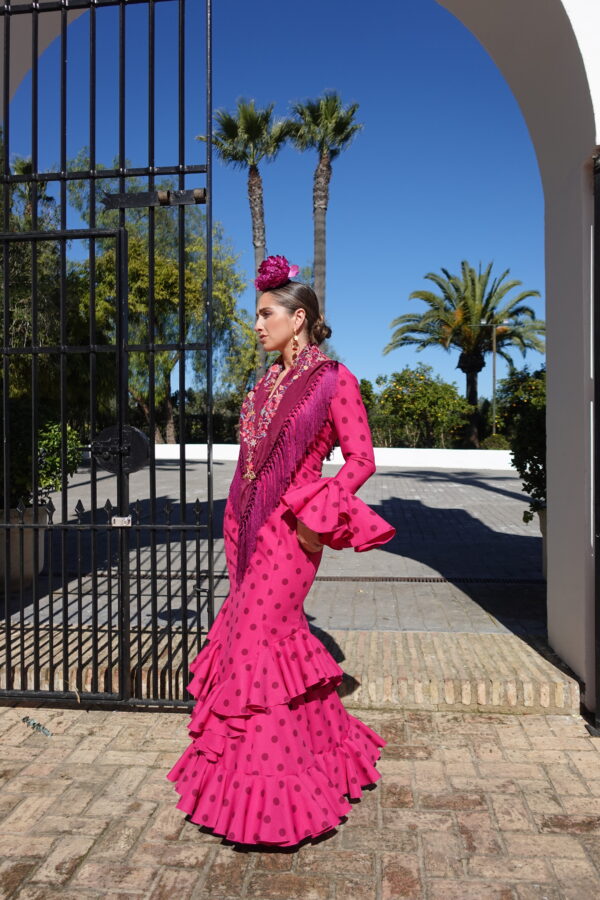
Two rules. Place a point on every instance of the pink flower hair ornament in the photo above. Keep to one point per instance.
(273, 272)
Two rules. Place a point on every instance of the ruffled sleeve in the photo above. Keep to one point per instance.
(328, 506)
(341, 519)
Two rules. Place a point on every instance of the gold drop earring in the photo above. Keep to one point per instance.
(295, 346)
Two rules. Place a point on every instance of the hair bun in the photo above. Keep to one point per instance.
(320, 330)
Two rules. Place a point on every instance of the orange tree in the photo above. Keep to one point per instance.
(415, 409)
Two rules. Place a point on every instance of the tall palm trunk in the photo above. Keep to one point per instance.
(257, 212)
(143, 405)
(170, 432)
(320, 203)
(472, 388)
(471, 363)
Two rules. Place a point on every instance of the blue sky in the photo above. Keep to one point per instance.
(443, 169)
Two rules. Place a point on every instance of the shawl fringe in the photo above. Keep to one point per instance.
(299, 430)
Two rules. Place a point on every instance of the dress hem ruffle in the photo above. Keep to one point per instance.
(230, 801)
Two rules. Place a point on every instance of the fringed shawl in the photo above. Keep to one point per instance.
(301, 414)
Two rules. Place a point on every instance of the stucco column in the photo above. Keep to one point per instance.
(552, 69)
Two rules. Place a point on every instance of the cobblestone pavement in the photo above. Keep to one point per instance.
(469, 806)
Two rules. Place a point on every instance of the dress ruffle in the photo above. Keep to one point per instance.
(342, 519)
(229, 796)
(282, 670)
(231, 802)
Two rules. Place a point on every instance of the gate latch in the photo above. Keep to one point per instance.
(121, 521)
(127, 457)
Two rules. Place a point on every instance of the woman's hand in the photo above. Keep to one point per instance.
(308, 539)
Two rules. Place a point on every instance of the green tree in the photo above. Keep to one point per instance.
(455, 317)
(523, 411)
(163, 326)
(416, 409)
(27, 193)
(32, 318)
(240, 358)
(520, 388)
(22, 257)
(369, 396)
(34, 302)
(244, 139)
(328, 127)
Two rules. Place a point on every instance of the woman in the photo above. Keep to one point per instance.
(273, 750)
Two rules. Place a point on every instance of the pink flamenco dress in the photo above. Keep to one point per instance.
(274, 754)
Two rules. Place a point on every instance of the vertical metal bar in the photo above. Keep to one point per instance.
(122, 476)
(21, 532)
(123, 384)
(109, 601)
(138, 598)
(79, 510)
(183, 325)
(151, 353)
(596, 432)
(93, 366)
(169, 616)
(51, 666)
(63, 354)
(6, 536)
(209, 313)
(198, 582)
(35, 599)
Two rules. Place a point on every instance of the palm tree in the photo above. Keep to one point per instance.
(243, 139)
(455, 319)
(326, 126)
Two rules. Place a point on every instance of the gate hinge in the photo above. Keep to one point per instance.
(121, 521)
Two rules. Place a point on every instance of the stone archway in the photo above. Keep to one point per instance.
(545, 50)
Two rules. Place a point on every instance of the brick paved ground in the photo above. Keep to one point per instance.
(469, 806)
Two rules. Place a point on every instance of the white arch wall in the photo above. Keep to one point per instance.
(549, 53)
(20, 43)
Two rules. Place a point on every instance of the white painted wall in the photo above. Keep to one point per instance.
(20, 43)
(549, 53)
(396, 458)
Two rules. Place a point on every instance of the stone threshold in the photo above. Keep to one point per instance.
(385, 670)
(443, 671)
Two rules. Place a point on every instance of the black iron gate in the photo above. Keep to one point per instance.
(106, 526)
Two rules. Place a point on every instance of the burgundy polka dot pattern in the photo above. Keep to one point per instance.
(341, 519)
(273, 755)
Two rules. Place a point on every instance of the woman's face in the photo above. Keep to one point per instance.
(274, 324)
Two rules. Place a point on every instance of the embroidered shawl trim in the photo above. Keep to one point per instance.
(253, 501)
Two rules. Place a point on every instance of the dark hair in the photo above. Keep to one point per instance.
(296, 295)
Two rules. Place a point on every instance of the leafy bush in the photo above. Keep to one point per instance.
(49, 467)
(495, 442)
(49, 443)
(528, 438)
(414, 409)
